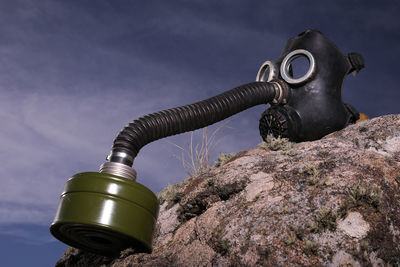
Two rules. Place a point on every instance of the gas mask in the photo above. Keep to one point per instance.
(106, 212)
(313, 106)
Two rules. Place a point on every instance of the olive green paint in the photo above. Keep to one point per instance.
(105, 214)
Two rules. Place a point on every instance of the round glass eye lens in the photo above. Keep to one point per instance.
(298, 66)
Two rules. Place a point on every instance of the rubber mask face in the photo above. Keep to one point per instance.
(314, 107)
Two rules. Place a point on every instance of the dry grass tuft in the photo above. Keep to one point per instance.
(196, 159)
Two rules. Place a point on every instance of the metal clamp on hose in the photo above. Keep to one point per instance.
(121, 157)
(269, 72)
(282, 92)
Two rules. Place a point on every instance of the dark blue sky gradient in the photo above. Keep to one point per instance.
(73, 73)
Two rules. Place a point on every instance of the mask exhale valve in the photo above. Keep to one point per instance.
(106, 212)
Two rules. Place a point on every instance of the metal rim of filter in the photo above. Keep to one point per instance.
(105, 217)
(287, 61)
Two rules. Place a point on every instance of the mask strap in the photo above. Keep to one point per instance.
(353, 114)
(356, 62)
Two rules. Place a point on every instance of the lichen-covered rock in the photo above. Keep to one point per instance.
(333, 202)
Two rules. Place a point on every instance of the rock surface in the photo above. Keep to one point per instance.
(331, 202)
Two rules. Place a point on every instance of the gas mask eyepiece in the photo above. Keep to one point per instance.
(267, 72)
(287, 69)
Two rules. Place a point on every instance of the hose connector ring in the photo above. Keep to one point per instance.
(118, 169)
(282, 92)
(121, 157)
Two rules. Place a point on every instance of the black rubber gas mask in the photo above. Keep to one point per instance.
(313, 106)
(108, 211)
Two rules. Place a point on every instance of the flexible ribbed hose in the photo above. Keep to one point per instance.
(188, 118)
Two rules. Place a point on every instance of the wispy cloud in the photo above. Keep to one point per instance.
(27, 233)
(11, 213)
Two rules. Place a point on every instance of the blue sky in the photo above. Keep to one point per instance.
(73, 73)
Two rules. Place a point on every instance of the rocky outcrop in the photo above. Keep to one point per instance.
(332, 202)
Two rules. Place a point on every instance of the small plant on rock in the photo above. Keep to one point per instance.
(276, 144)
(223, 158)
(326, 219)
(360, 195)
(172, 193)
(291, 239)
(311, 247)
(312, 174)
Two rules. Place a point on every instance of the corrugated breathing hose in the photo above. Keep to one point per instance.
(187, 118)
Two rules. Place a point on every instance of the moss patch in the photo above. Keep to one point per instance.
(360, 195)
(311, 247)
(173, 193)
(324, 220)
(276, 144)
(223, 159)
